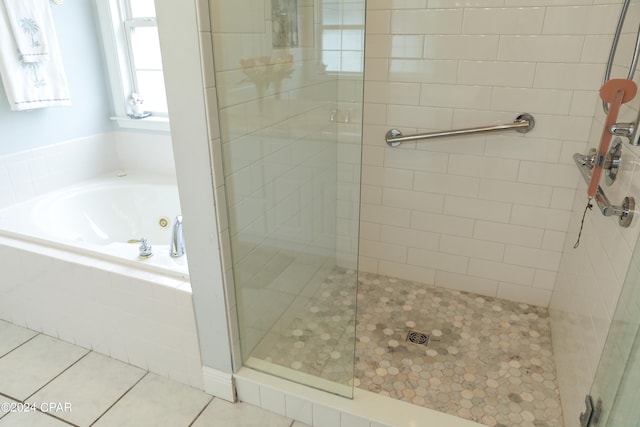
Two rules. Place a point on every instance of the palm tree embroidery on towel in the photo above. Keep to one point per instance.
(31, 29)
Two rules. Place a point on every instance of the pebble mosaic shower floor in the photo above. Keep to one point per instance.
(476, 357)
(487, 360)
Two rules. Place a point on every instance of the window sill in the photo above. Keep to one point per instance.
(158, 124)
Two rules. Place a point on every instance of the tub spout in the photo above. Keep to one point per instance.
(177, 239)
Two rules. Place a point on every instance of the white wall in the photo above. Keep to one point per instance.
(487, 214)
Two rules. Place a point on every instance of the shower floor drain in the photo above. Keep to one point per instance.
(419, 338)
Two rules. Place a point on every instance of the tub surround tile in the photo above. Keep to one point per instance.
(109, 308)
(156, 401)
(29, 367)
(47, 168)
(13, 336)
(92, 385)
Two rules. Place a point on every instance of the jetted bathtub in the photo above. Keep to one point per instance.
(104, 217)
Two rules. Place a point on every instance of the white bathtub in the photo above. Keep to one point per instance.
(68, 272)
(100, 217)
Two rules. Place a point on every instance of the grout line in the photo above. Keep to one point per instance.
(119, 398)
(57, 418)
(53, 379)
(57, 375)
(20, 345)
(202, 410)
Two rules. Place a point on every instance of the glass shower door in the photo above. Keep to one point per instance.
(614, 392)
(289, 79)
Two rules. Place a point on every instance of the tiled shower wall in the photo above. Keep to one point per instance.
(591, 276)
(487, 214)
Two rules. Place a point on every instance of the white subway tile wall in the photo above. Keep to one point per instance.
(495, 208)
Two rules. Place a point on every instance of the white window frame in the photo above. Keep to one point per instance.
(120, 67)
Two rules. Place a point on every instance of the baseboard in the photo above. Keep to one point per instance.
(218, 383)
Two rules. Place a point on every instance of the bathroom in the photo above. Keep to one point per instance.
(502, 224)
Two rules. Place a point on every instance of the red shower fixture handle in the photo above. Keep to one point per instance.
(615, 92)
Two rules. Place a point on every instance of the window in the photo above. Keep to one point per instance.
(132, 48)
(343, 35)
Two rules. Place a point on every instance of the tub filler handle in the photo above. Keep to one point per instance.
(145, 249)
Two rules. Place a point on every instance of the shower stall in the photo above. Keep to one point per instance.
(438, 272)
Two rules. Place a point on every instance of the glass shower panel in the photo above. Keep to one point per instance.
(291, 141)
(615, 387)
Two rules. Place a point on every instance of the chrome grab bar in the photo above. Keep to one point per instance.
(523, 124)
(623, 212)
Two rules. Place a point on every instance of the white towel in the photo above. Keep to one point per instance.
(30, 23)
(30, 61)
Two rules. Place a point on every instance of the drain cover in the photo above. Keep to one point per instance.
(419, 338)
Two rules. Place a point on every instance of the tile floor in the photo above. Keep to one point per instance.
(484, 359)
(487, 360)
(45, 382)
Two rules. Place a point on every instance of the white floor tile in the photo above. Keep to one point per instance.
(222, 413)
(155, 402)
(11, 336)
(4, 409)
(90, 386)
(29, 367)
(30, 419)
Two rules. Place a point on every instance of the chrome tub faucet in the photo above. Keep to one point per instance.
(177, 239)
